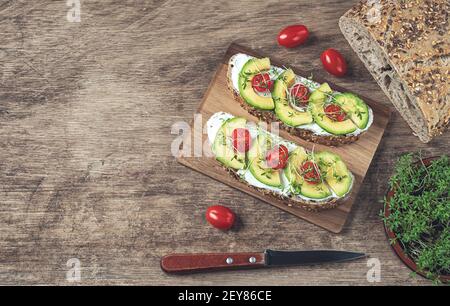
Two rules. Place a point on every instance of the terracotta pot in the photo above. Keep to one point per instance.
(397, 248)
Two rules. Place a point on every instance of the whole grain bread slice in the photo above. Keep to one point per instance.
(269, 117)
(405, 45)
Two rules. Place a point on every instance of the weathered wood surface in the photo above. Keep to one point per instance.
(86, 172)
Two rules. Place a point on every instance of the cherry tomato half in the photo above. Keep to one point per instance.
(262, 82)
(220, 217)
(241, 139)
(301, 94)
(293, 36)
(334, 62)
(277, 157)
(335, 112)
(310, 173)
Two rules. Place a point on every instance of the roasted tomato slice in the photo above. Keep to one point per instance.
(277, 157)
(335, 112)
(301, 94)
(241, 140)
(310, 173)
(262, 82)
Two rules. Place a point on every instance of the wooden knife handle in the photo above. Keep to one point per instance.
(188, 263)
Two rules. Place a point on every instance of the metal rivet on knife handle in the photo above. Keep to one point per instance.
(229, 260)
(252, 260)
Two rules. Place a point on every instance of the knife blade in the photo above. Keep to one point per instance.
(302, 258)
(188, 263)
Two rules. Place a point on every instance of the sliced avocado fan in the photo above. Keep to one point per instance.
(355, 108)
(293, 174)
(223, 145)
(317, 103)
(253, 67)
(284, 111)
(335, 172)
(257, 162)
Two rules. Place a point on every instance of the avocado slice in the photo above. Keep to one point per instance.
(314, 191)
(335, 172)
(261, 145)
(319, 191)
(223, 146)
(316, 105)
(320, 94)
(296, 159)
(257, 160)
(283, 110)
(334, 127)
(265, 174)
(354, 107)
(253, 67)
(256, 65)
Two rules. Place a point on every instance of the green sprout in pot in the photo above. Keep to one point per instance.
(420, 212)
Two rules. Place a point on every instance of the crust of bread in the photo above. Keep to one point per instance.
(312, 206)
(405, 46)
(269, 117)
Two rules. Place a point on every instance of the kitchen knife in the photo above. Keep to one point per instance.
(187, 263)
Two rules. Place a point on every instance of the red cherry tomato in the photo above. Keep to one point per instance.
(277, 157)
(293, 36)
(310, 173)
(301, 94)
(220, 217)
(241, 140)
(262, 82)
(335, 112)
(334, 62)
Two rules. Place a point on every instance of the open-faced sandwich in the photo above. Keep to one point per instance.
(305, 108)
(272, 165)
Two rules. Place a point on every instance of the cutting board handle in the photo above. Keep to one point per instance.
(188, 263)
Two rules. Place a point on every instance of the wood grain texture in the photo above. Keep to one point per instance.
(85, 132)
(357, 156)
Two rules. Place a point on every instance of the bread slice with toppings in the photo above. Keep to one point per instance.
(313, 181)
(302, 115)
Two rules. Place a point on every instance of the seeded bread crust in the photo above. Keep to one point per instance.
(269, 117)
(405, 45)
(304, 204)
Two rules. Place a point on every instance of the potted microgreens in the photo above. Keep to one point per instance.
(417, 215)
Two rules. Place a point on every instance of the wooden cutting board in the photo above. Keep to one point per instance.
(357, 156)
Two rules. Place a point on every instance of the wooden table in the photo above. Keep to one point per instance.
(86, 169)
